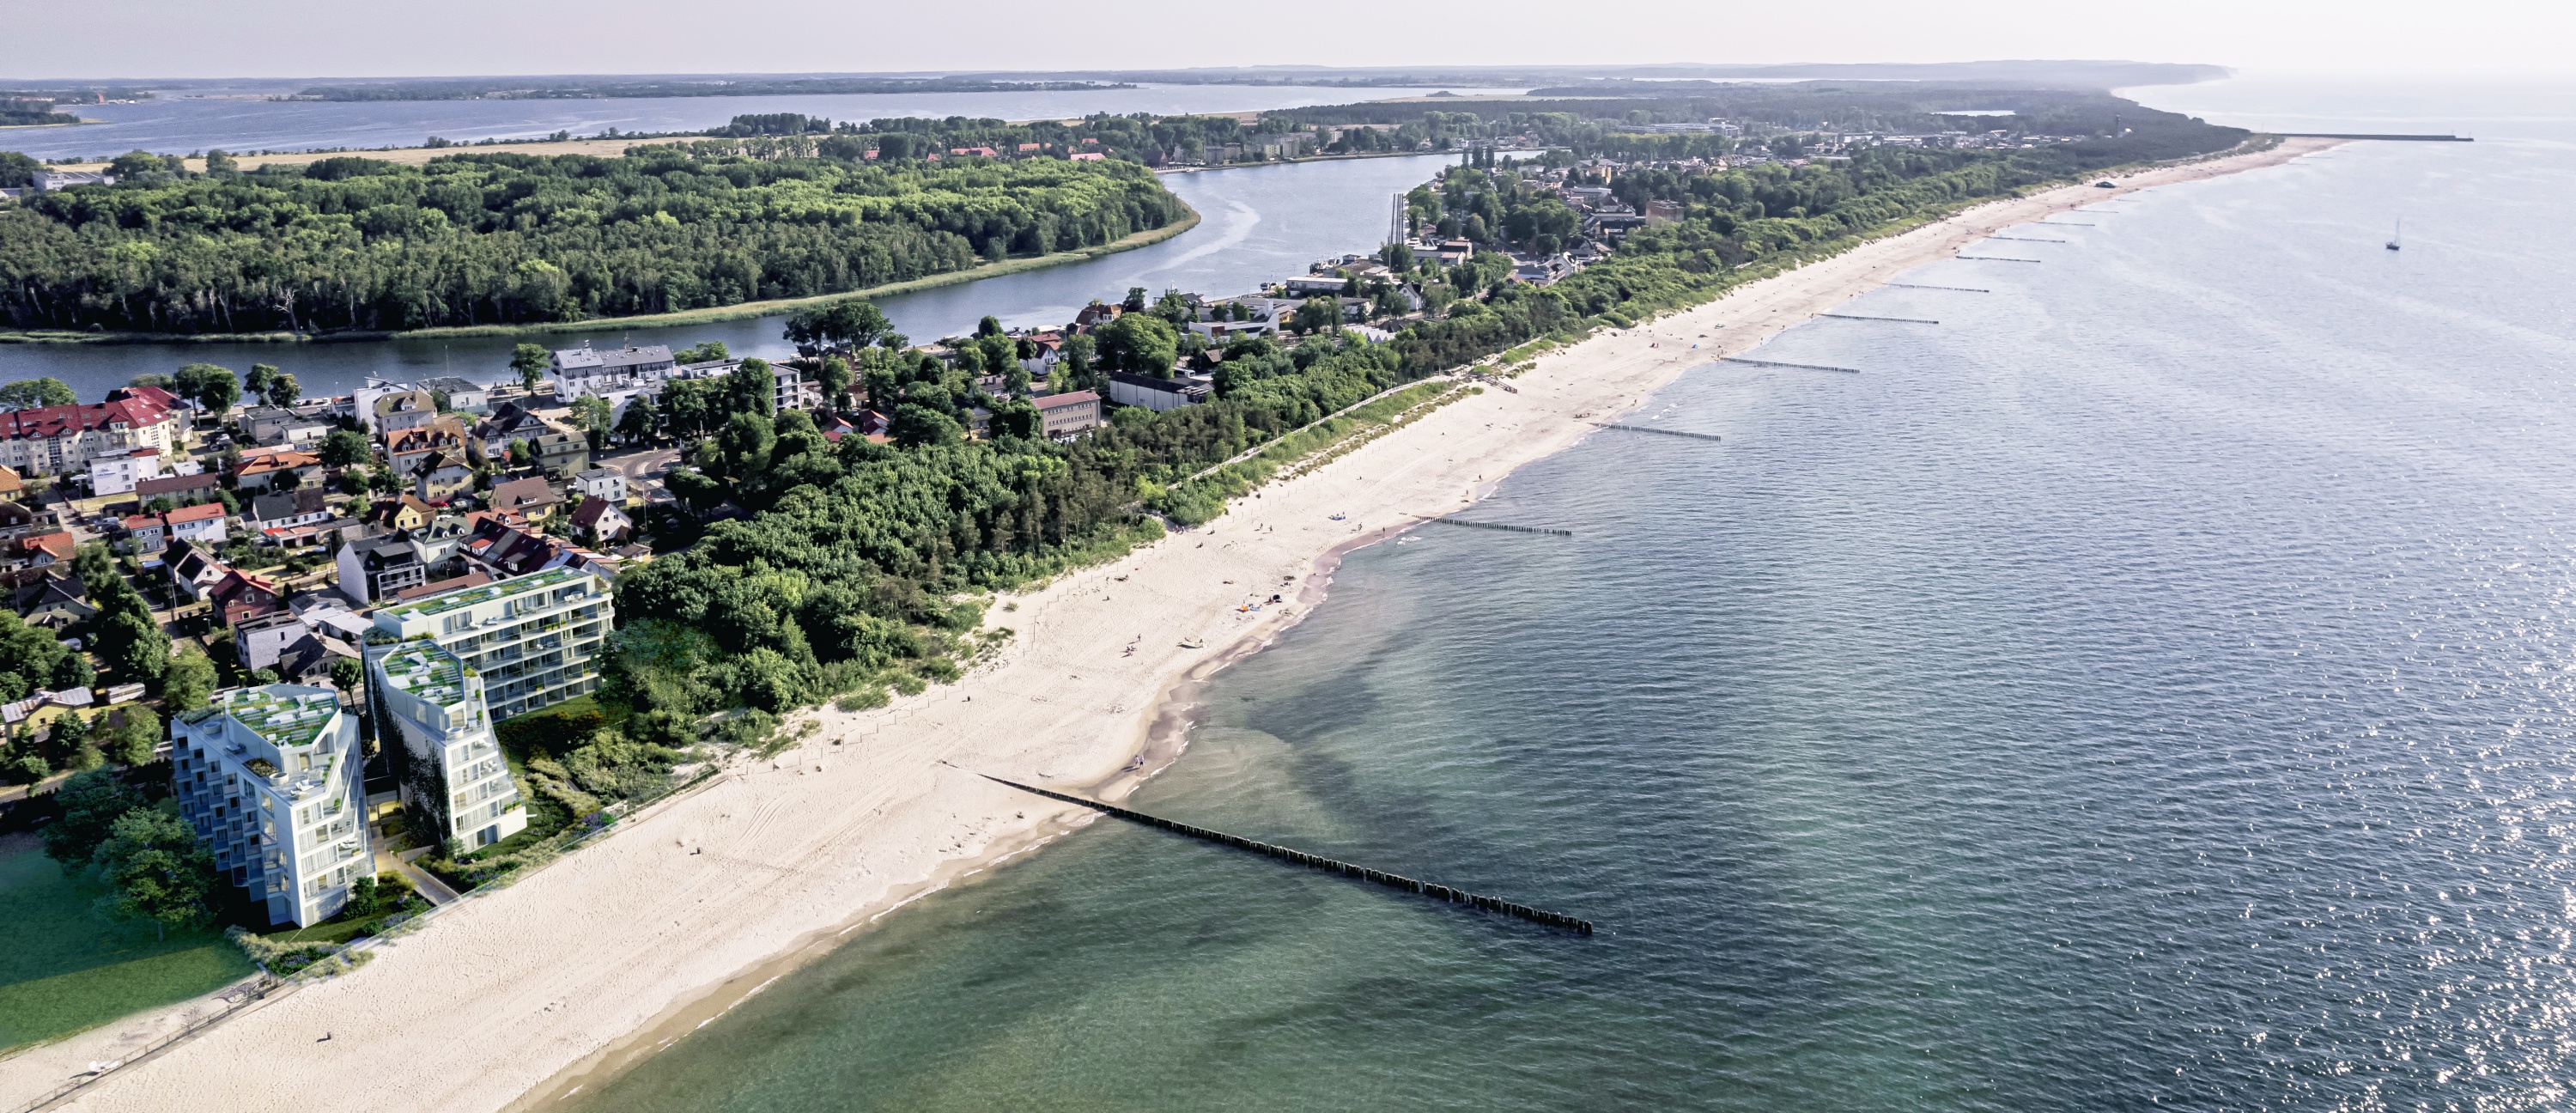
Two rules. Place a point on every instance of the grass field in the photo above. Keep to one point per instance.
(66, 966)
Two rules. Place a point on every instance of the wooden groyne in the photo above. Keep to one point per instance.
(2069, 224)
(1501, 526)
(1776, 363)
(1664, 432)
(1899, 320)
(1993, 259)
(2024, 239)
(1319, 862)
(1953, 289)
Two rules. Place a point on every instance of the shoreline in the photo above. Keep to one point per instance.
(530, 989)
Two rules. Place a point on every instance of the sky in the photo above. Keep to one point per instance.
(372, 38)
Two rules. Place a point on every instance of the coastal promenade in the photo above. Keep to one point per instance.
(521, 995)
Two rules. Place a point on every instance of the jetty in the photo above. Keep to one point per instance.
(1503, 527)
(1992, 259)
(1319, 862)
(1749, 361)
(1663, 432)
(1899, 320)
(2024, 239)
(1955, 289)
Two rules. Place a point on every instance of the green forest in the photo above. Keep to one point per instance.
(498, 238)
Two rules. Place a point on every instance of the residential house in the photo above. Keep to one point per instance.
(116, 471)
(1094, 315)
(179, 488)
(17, 521)
(240, 595)
(203, 524)
(476, 578)
(443, 476)
(601, 521)
(282, 425)
(33, 710)
(530, 497)
(508, 550)
(1128, 389)
(509, 421)
(288, 508)
(562, 454)
(192, 568)
(146, 532)
(272, 779)
(536, 640)
(60, 440)
(401, 514)
(53, 602)
(373, 569)
(263, 468)
(284, 644)
(44, 549)
(463, 395)
(1063, 415)
(584, 370)
(11, 487)
(397, 410)
(405, 448)
(606, 483)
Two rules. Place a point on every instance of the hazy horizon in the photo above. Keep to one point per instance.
(167, 40)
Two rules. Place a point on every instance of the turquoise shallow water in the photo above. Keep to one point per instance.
(2148, 687)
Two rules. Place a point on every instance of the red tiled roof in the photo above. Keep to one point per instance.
(45, 422)
(197, 513)
(61, 545)
(278, 461)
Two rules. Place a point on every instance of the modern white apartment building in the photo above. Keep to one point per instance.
(431, 720)
(270, 777)
(533, 640)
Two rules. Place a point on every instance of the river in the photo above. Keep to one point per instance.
(1259, 223)
(2148, 687)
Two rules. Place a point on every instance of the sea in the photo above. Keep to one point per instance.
(2151, 686)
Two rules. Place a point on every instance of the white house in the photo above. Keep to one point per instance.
(202, 524)
(585, 370)
(606, 483)
(116, 471)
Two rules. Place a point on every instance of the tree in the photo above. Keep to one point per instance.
(836, 380)
(848, 323)
(636, 425)
(590, 414)
(343, 448)
(1174, 306)
(135, 164)
(159, 870)
(531, 362)
(695, 489)
(220, 161)
(256, 383)
(914, 425)
(211, 387)
(284, 391)
(1317, 314)
(347, 674)
(188, 682)
(27, 394)
(91, 802)
(135, 737)
(1139, 343)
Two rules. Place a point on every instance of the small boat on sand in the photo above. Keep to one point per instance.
(1193, 643)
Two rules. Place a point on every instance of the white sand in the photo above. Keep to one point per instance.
(511, 996)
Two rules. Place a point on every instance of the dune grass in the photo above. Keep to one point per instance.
(66, 966)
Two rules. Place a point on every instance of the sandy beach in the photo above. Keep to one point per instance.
(514, 997)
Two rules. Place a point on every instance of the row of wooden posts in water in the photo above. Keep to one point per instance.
(1318, 861)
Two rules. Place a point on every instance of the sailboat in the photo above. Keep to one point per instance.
(2393, 235)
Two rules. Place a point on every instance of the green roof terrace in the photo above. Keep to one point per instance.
(286, 715)
(428, 673)
(429, 606)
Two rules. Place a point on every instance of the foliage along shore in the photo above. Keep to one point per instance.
(739, 312)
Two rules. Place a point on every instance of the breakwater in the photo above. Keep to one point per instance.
(1504, 528)
(1318, 861)
(1664, 432)
(1749, 362)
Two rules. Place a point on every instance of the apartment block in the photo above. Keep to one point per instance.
(270, 777)
(432, 722)
(533, 640)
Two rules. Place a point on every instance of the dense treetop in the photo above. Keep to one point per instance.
(483, 238)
